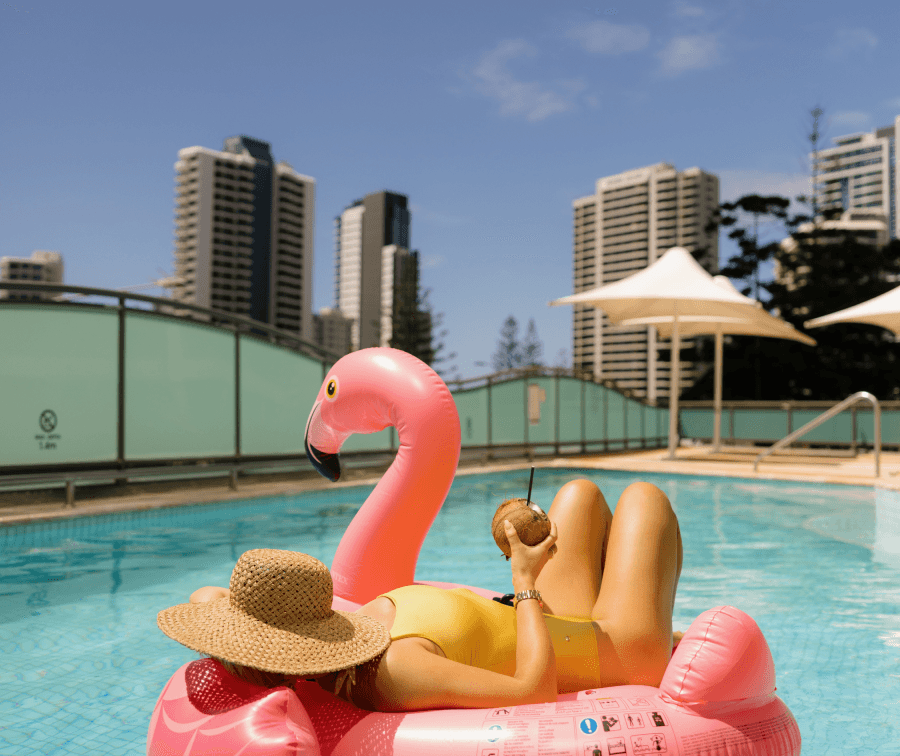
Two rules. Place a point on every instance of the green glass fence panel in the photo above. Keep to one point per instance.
(278, 388)
(595, 409)
(569, 410)
(179, 389)
(837, 429)
(615, 422)
(635, 420)
(662, 422)
(865, 426)
(508, 412)
(697, 422)
(890, 426)
(542, 408)
(59, 377)
(380, 441)
(760, 424)
(472, 406)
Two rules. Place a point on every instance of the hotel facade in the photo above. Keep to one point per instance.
(371, 255)
(625, 225)
(858, 177)
(244, 234)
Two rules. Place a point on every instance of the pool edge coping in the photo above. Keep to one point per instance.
(183, 497)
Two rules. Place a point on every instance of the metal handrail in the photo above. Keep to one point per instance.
(827, 415)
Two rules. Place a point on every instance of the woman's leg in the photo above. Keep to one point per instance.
(637, 595)
(570, 581)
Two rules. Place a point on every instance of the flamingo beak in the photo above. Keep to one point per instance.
(327, 464)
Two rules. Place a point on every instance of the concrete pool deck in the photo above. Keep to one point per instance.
(19, 508)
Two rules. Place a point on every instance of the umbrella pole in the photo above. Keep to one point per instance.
(674, 385)
(717, 427)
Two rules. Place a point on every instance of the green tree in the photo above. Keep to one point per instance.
(431, 325)
(509, 350)
(744, 216)
(819, 272)
(415, 327)
(512, 353)
(821, 275)
(409, 331)
(532, 349)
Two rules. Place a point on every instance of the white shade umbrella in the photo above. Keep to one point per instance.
(674, 287)
(883, 310)
(757, 323)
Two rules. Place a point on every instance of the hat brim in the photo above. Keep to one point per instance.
(216, 628)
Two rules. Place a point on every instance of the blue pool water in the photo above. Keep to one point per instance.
(83, 661)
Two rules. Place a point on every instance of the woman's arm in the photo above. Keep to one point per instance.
(410, 677)
(535, 660)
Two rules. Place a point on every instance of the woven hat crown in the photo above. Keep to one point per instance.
(282, 588)
(277, 618)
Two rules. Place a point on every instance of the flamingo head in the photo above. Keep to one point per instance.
(364, 392)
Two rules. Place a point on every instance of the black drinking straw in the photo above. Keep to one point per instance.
(530, 481)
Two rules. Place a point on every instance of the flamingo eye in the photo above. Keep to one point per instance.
(331, 389)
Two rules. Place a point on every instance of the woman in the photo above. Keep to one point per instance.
(598, 613)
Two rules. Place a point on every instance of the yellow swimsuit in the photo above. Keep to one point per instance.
(480, 632)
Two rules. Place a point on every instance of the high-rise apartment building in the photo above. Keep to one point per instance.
(244, 234)
(860, 174)
(626, 225)
(371, 252)
(332, 330)
(42, 266)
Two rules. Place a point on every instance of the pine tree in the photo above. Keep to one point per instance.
(432, 338)
(820, 273)
(509, 351)
(745, 266)
(415, 326)
(532, 349)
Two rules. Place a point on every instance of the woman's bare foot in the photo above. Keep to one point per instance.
(677, 635)
(208, 593)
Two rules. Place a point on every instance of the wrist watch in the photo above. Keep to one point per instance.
(530, 594)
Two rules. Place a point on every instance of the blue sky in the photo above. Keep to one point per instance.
(491, 116)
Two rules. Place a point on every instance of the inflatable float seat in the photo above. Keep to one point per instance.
(717, 697)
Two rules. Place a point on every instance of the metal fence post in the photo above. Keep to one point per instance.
(237, 396)
(525, 392)
(120, 429)
(605, 418)
(583, 415)
(556, 391)
(490, 419)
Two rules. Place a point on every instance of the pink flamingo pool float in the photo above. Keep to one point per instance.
(717, 697)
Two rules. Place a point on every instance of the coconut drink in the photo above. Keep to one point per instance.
(529, 520)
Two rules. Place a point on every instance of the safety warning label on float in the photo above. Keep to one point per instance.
(580, 706)
(599, 727)
(644, 744)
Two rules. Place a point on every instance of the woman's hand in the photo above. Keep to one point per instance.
(528, 561)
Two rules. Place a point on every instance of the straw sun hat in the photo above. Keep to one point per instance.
(277, 618)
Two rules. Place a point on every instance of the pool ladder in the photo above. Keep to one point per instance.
(859, 396)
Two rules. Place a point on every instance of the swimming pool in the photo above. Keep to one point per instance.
(83, 661)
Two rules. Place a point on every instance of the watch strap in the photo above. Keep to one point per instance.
(530, 594)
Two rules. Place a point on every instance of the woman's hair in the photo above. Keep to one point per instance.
(258, 676)
(364, 676)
